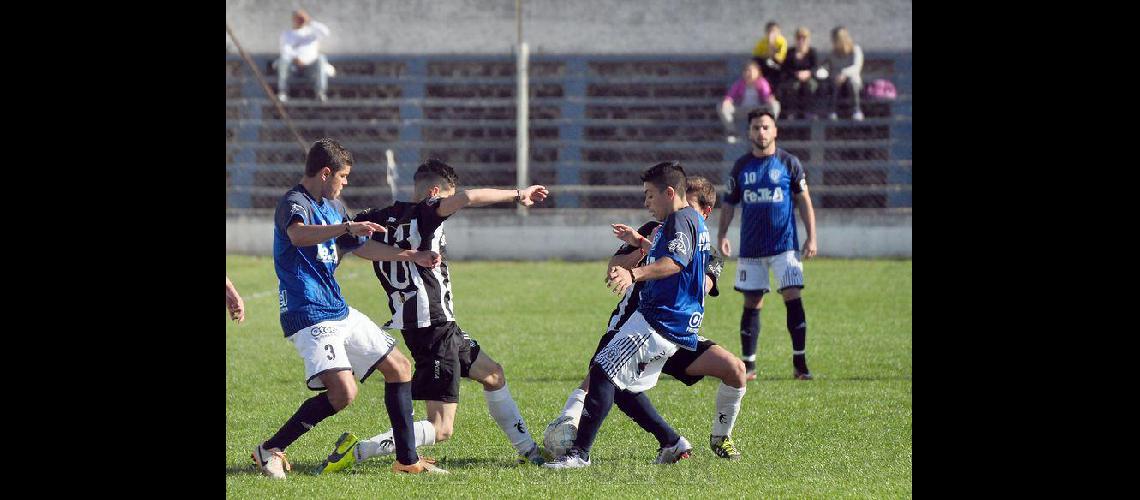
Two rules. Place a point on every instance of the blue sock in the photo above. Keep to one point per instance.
(749, 336)
(311, 412)
(598, 403)
(398, 401)
(641, 410)
(797, 327)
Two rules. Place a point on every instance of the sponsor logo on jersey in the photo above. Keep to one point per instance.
(680, 244)
(774, 174)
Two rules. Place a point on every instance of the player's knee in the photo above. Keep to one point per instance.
(340, 399)
(736, 375)
(402, 368)
(496, 379)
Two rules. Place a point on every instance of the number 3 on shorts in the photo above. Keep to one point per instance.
(332, 353)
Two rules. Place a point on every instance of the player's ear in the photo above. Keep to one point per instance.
(433, 192)
(669, 192)
(325, 173)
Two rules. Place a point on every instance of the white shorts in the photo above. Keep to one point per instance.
(353, 343)
(633, 358)
(752, 274)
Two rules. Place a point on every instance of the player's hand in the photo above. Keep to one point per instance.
(809, 249)
(236, 307)
(725, 247)
(627, 234)
(365, 228)
(427, 258)
(533, 194)
(620, 279)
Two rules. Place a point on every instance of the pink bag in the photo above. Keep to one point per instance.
(882, 90)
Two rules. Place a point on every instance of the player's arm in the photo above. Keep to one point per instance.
(480, 197)
(303, 235)
(375, 251)
(627, 261)
(727, 212)
(708, 284)
(807, 214)
(621, 278)
(234, 303)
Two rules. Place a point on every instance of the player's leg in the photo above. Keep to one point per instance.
(318, 346)
(283, 67)
(717, 362)
(789, 272)
(500, 404)
(638, 407)
(320, 77)
(752, 280)
(632, 361)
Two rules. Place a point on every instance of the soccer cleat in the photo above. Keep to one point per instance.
(671, 454)
(798, 375)
(343, 455)
(534, 456)
(271, 462)
(424, 466)
(723, 447)
(575, 458)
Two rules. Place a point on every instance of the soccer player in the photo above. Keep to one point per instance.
(337, 343)
(234, 304)
(689, 367)
(668, 318)
(769, 180)
(420, 299)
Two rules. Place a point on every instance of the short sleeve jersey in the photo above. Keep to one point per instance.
(766, 187)
(674, 306)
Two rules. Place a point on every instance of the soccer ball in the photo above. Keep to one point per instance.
(559, 436)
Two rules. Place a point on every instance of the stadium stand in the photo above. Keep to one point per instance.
(596, 121)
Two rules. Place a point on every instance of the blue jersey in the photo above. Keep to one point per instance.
(675, 306)
(767, 186)
(307, 292)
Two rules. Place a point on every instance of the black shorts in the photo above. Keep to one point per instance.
(676, 364)
(442, 354)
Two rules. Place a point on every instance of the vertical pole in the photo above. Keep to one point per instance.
(523, 153)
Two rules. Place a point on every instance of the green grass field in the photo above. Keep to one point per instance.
(846, 433)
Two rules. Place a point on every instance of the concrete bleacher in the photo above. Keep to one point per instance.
(596, 121)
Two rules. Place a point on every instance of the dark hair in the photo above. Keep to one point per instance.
(434, 171)
(326, 153)
(761, 111)
(771, 24)
(703, 189)
(666, 174)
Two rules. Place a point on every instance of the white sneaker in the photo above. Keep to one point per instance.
(674, 453)
(323, 97)
(574, 459)
(282, 97)
(858, 116)
(271, 462)
(730, 139)
(833, 116)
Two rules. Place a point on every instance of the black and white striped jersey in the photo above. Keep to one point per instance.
(418, 297)
(628, 303)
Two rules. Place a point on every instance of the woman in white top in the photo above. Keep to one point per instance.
(845, 64)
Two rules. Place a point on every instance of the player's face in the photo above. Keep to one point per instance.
(762, 132)
(658, 203)
(335, 181)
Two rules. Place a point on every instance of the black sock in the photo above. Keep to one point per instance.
(749, 336)
(641, 410)
(398, 401)
(797, 327)
(311, 412)
(598, 403)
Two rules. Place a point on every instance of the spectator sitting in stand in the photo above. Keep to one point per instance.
(845, 66)
(770, 52)
(750, 91)
(300, 53)
(798, 92)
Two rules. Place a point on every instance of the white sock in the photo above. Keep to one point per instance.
(574, 404)
(727, 408)
(382, 444)
(503, 409)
